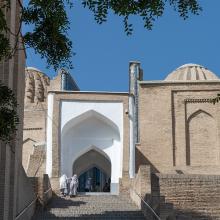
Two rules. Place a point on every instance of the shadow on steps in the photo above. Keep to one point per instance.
(90, 207)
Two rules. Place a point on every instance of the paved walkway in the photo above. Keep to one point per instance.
(101, 207)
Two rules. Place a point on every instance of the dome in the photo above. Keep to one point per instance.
(36, 84)
(191, 72)
(33, 68)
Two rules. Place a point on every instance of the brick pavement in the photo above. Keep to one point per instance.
(101, 207)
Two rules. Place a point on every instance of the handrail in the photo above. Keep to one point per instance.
(30, 204)
(27, 207)
(48, 190)
(42, 201)
(147, 205)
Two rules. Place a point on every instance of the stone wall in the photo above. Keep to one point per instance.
(34, 131)
(179, 125)
(55, 83)
(63, 81)
(26, 199)
(140, 190)
(35, 112)
(176, 196)
(42, 188)
(192, 196)
(12, 75)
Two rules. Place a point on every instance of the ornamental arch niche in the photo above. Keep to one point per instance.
(202, 140)
(91, 133)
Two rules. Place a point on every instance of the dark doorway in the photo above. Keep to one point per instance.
(94, 171)
(94, 180)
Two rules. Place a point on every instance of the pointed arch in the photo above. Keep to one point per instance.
(91, 157)
(199, 111)
(85, 116)
(89, 148)
(201, 147)
(28, 139)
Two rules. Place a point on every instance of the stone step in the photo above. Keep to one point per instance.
(90, 207)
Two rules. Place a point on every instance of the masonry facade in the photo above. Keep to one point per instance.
(180, 125)
(169, 126)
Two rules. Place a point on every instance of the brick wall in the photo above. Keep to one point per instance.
(55, 84)
(34, 130)
(178, 127)
(192, 196)
(42, 188)
(12, 75)
(141, 188)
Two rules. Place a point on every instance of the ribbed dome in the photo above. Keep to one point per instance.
(36, 84)
(191, 72)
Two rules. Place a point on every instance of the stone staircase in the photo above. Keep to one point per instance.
(100, 207)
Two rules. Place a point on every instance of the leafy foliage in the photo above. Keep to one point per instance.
(8, 114)
(49, 36)
(49, 22)
(4, 41)
(148, 10)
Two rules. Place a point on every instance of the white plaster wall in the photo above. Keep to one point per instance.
(50, 101)
(101, 126)
(111, 110)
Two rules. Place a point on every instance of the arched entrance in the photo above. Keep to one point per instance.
(94, 171)
(92, 131)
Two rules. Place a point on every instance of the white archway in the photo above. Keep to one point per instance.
(91, 130)
(88, 114)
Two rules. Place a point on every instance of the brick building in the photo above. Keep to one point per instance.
(17, 199)
(169, 126)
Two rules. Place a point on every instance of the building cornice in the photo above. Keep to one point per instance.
(89, 92)
(179, 82)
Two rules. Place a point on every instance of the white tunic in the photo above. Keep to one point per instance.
(63, 182)
(73, 185)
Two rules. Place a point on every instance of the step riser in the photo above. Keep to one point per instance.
(91, 207)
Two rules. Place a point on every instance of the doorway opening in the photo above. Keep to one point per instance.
(94, 172)
(94, 180)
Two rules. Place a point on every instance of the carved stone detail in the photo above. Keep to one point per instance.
(36, 84)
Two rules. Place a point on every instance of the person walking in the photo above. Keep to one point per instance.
(73, 185)
(88, 185)
(63, 185)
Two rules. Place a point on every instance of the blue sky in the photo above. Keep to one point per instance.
(103, 51)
